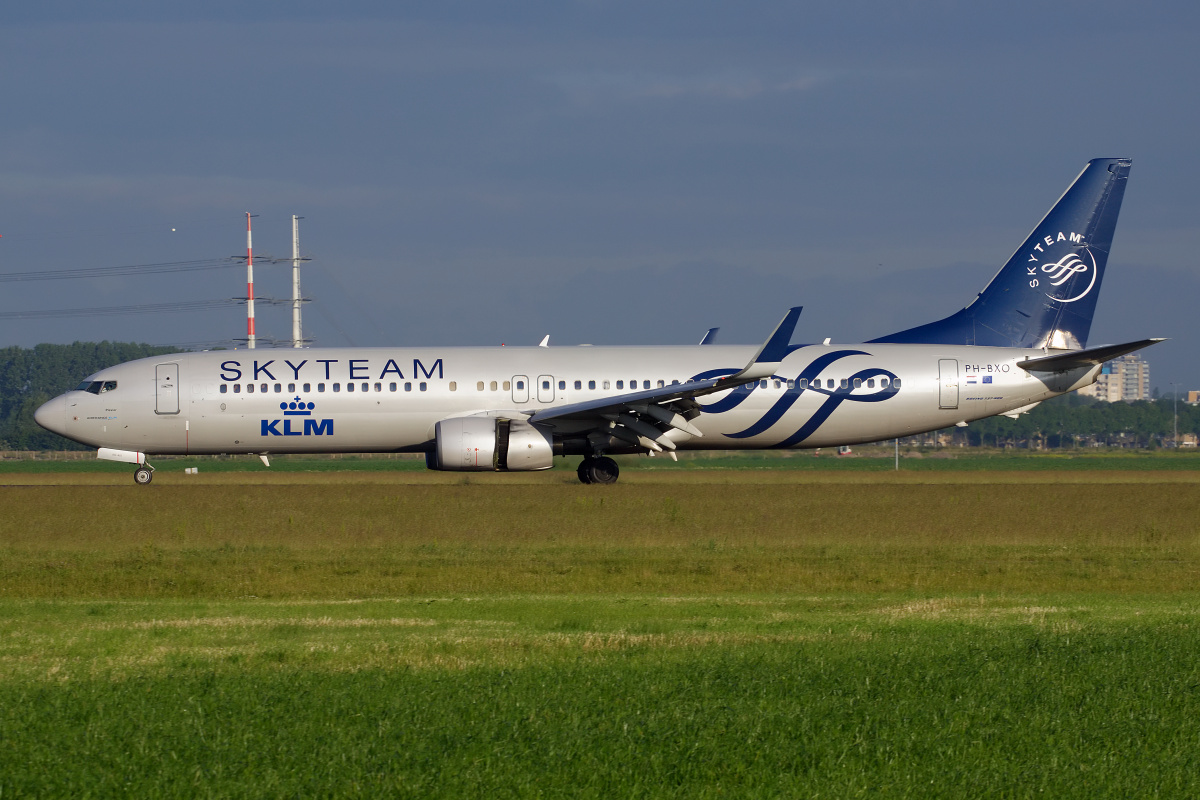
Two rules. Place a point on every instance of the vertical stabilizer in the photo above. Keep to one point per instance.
(1046, 294)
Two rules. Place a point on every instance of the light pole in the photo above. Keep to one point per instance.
(1175, 410)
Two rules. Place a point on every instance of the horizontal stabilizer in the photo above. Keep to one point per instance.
(1074, 359)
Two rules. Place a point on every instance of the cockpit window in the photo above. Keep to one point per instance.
(96, 387)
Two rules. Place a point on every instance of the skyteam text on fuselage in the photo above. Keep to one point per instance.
(1021, 341)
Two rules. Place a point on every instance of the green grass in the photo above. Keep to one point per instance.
(864, 459)
(693, 633)
(602, 697)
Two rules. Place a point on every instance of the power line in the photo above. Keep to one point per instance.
(106, 311)
(127, 269)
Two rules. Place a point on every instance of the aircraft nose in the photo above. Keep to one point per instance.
(52, 415)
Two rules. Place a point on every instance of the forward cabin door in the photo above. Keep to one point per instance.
(948, 383)
(166, 391)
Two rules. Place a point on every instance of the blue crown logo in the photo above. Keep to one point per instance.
(297, 408)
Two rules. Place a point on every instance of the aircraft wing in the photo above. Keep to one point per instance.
(1073, 359)
(647, 418)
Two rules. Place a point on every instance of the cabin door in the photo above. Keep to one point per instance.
(948, 383)
(166, 392)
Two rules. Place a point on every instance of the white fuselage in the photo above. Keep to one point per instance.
(389, 399)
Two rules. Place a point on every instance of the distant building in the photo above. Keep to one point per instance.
(1193, 398)
(1123, 379)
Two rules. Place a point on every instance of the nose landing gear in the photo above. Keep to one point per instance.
(143, 475)
(598, 470)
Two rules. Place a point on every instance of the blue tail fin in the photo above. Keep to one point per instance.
(1046, 294)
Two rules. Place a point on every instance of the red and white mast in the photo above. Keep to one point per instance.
(249, 285)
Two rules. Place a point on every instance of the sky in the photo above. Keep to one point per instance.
(602, 172)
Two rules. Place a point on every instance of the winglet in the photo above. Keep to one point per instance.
(710, 337)
(766, 360)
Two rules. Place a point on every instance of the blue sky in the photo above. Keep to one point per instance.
(471, 173)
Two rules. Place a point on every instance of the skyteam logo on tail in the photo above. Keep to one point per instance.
(1060, 275)
(297, 408)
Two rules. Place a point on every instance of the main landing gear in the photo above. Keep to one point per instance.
(143, 475)
(598, 470)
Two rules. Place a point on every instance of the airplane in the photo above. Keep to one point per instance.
(1022, 340)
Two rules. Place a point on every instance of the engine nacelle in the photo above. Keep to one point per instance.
(489, 444)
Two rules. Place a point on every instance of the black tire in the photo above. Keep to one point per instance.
(585, 470)
(604, 470)
(143, 475)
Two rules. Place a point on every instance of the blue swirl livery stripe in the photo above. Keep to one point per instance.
(840, 396)
(789, 398)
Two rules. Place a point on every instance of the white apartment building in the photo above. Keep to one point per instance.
(1126, 378)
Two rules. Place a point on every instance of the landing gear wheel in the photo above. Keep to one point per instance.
(585, 470)
(143, 476)
(604, 470)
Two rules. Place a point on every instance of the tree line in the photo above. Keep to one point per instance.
(31, 376)
(1075, 420)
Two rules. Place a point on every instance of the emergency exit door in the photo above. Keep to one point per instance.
(948, 383)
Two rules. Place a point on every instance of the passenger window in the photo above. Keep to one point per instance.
(424, 386)
(278, 388)
(762, 384)
(492, 386)
(674, 383)
(320, 387)
(804, 383)
(366, 387)
(391, 387)
(337, 387)
(237, 388)
(479, 386)
(349, 387)
(562, 384)
(454, 386)
(896, 383)
(858, 383)
(520, 385)
(645, 384)
(507, 385)
(546, 385)
(870, 383)
(224, 389)
(291, 388)
(778, 384)
(791, 384)
(407, 387)
(883, 382)
(578, 385)
(308, 387)
(605, 384)
(620, 384)
(591, 384)
(250, 388)
(379, 387)
(263, 388)
(845, 383)
(661, 384)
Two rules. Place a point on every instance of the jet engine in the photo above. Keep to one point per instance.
(479, 444)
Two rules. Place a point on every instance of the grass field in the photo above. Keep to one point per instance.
(686, 633)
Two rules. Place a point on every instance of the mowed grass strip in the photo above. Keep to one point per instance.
(897, 703)
(370, 540)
